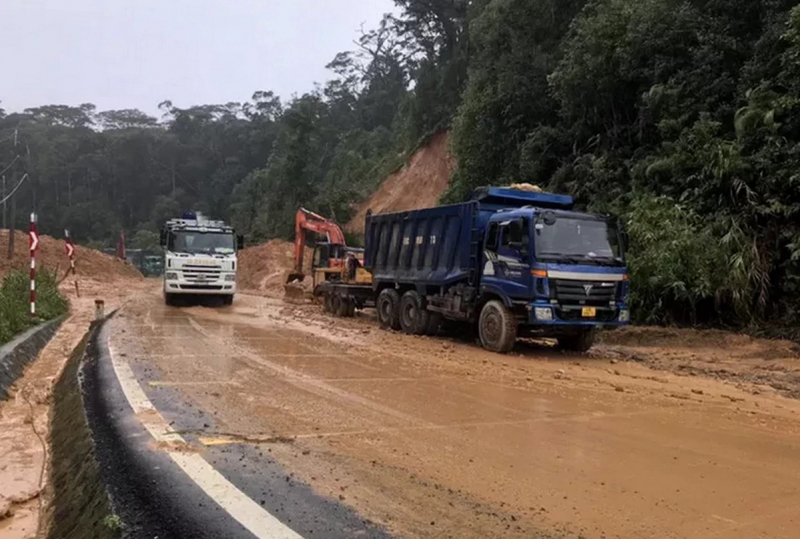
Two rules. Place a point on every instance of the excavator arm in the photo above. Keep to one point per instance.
(308, 220)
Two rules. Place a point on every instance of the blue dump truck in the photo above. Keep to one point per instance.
(513, 262)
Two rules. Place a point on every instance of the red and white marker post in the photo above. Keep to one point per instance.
(33, 242)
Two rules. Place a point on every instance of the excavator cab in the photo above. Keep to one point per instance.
(335, 262)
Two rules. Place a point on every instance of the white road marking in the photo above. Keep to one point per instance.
(249, 514)
(161, 383)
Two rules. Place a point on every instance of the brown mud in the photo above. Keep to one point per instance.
(434, 437)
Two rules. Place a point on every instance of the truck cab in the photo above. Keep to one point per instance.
(560, 272)
(200, 258)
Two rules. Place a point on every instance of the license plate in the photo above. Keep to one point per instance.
(588, 312)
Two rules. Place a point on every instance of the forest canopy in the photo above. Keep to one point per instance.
(679, 117)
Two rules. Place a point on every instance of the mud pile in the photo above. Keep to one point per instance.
(89, 263)
(264, 268)
(419, 184)
(717, 354)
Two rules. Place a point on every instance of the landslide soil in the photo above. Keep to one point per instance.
(418, 184)
(263, 269)
(89, 263)
(434, 437)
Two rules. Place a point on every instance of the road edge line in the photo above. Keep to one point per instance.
(236, 503)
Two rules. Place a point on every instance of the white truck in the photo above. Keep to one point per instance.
(200, 258)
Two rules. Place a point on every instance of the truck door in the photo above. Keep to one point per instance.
(507, 258)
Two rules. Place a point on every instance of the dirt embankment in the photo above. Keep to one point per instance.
(263, 268)
(764, 365)
(89, 263)
(419, 184)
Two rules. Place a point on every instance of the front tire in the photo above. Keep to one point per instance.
(579, 342)
(388, 307)
(169, 299)
(497, 327)
(227, 300)
(413, 315)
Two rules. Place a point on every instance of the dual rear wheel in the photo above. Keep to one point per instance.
(339, 305)
(407, 312)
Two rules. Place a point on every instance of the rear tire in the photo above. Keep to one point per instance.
(351, 309)
(326, 303)
(413, 315)
(579, 342)
(497, 327)
(388, 307)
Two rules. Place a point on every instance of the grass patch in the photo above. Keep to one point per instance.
(15, 302)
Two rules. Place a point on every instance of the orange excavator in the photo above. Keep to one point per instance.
(329, 258)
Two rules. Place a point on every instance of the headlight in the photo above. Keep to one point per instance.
(544, 313)
(172, 276)
(624, 315)
(230, 277)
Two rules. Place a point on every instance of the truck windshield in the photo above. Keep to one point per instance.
(201, 242)
(577, 240)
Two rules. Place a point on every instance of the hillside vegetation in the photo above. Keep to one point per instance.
(680, 117)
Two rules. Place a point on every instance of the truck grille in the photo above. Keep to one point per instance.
(585, 292)
(201, 274)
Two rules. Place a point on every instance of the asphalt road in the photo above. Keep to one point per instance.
(322, 427)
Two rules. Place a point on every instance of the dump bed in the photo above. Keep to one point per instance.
(429, 246)
(441, 246)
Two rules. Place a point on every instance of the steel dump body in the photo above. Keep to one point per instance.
(430, 246)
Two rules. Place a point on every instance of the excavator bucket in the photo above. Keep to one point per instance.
(295, 278)
(293, 290)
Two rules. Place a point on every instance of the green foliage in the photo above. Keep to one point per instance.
(146, 240)
(694, 106)
(15, 302)
(680, 269)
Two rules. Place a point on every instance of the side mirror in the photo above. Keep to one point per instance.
(240, 242)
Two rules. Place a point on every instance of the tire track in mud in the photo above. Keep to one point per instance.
(314, 385)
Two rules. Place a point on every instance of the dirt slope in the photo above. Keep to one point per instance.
(263, 268)
(88, 262)
(419, 184)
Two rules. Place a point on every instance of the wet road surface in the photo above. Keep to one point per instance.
(433, 438)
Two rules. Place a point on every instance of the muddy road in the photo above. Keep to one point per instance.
(434, 437)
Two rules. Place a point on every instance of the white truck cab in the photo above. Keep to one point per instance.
(200, 258)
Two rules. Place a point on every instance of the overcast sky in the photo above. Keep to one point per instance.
(137, 53)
